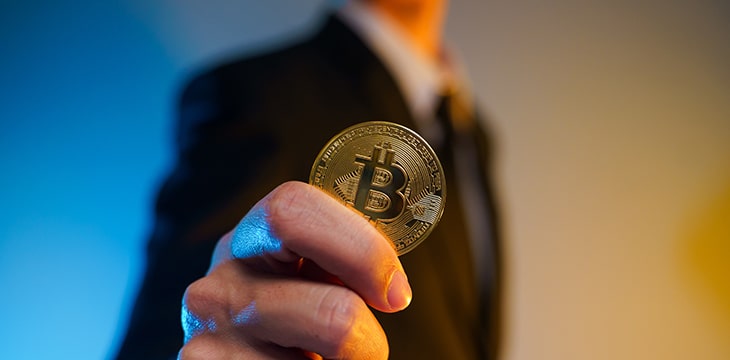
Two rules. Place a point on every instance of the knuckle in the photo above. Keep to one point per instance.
(200, 348)
(339, 310)
(287, 205)
(203, 296)
(198, 310)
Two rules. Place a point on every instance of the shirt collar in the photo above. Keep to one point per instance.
(420, 79)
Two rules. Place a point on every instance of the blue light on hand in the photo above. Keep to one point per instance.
(253, 236)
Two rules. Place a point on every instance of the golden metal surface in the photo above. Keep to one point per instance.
(387, 173)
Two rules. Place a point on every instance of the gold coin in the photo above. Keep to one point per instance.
(389, 174)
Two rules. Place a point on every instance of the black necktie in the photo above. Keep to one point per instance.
(462, 152)
(463, 290)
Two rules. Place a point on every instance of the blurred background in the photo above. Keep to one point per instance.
(612, 121)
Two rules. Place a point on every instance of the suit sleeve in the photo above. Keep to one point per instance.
(206, 194)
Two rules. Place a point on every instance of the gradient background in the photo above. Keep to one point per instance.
(613, 128)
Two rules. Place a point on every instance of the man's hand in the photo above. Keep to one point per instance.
(293, 281)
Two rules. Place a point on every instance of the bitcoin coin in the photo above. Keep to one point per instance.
(389, 174)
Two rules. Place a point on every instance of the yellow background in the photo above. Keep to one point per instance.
(613, 126)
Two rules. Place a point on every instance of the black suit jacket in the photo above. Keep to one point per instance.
(249, 125)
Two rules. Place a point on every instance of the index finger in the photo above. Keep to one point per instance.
(301, 220)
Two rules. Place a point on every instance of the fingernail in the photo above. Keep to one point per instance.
(399, 291)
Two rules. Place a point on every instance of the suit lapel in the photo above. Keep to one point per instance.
(375, 87)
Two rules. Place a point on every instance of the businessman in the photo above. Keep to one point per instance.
(272, 268)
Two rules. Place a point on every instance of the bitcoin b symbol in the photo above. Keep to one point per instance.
(378, 194)
(403, 197)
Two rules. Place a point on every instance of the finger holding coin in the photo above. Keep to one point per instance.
(256, 300)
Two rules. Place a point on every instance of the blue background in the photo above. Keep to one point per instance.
(87, 93)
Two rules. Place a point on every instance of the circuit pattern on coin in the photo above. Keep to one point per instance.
(389, 174)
